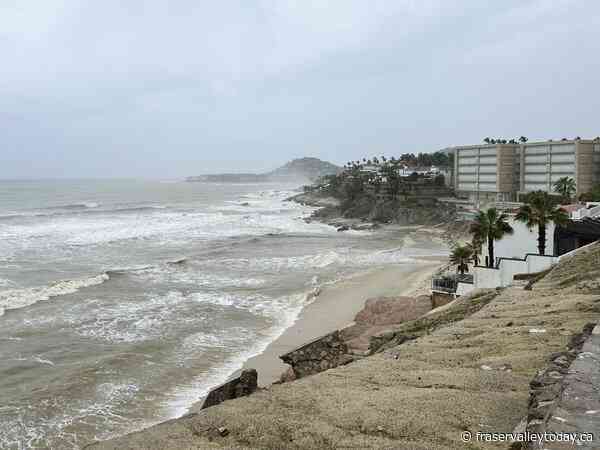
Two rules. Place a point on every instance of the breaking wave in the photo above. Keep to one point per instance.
(20, 298)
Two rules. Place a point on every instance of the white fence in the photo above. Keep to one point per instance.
(503, 275)
(485, 277)
(594, 211)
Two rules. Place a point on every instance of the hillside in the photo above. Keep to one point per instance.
(307, 168)
(301, 170)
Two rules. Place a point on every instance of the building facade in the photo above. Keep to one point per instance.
(501, 172)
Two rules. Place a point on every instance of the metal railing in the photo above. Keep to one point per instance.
(507, 206)
(449, 283)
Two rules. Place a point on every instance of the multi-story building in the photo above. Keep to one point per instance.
(500, 172)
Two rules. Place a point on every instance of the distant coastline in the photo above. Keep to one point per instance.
(300, 170)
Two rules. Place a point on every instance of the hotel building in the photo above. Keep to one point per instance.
(501, 172)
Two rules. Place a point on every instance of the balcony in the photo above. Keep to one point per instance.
(449, 282)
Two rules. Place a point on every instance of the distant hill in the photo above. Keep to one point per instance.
(301, 170)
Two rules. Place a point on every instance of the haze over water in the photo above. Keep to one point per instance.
(123, 302)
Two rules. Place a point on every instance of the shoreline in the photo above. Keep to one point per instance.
(335, 308)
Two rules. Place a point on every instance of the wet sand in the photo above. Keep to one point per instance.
(336, 306)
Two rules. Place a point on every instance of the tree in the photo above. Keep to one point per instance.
(523, 139)
(493, 226)
(487, 140)
(476, 244)
(460, 257)
(440, 159)
(540, 211)
(566, 187)
(389, 171)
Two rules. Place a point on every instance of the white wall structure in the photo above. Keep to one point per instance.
(591, 209)
(485, 277)
(490, 278)
(521, 242)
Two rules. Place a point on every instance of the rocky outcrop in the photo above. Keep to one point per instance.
(378, 315)
(321, 354)
(241, 386)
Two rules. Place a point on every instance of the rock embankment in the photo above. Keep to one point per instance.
(244, 385)
(381, 314)
(321, 354)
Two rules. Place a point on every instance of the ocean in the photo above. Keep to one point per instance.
(123, 302)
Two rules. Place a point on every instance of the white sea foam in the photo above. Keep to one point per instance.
(34, 358)
(20, 298)
(183, 397)
(273, 216)
(340, 256)
(198, 278)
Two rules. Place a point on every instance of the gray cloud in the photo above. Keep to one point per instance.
(168, 89)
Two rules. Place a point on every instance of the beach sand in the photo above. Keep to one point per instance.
(337, 305)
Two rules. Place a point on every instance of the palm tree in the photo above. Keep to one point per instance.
(475, 245)
(566, 187)
(460, 257)
(493, 226)
(540, 210)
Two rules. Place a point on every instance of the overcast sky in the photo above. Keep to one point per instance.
(181, 87)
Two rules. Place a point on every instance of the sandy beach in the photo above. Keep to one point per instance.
(336, 306)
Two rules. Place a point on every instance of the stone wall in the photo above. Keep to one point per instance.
(547, 387)
(440, 299)
(241, 386)
(321, 354)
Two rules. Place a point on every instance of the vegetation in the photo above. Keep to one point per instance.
(460, 257)
(566, 187)
(373, 174)
(388, 189)
(490, 225)
(540, 211)
(476, 244)
(521, 140)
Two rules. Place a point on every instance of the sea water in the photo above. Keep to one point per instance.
(123, 302)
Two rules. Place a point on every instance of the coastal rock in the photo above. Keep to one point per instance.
(378, 315)
(241, 386)
(392, 310)
(321, 354)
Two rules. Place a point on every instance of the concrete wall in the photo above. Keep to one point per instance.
(464, 288)
(585, 173)
(509, 268)
(521, 242)
(484, 277)
(536, 263)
